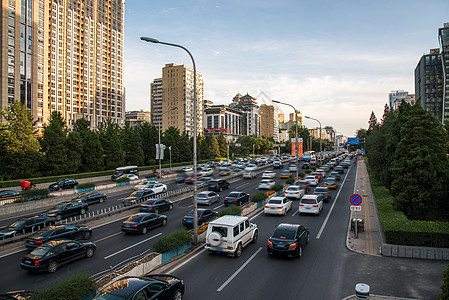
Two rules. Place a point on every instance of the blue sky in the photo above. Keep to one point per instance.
(334, 60)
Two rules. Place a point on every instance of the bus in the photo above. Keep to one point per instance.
(124, 170)
(309, 155)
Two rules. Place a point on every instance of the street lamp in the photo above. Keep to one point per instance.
(159, 147)
(296, 134)
(321, 148)
(195, 205)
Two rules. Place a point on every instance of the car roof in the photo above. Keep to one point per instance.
(309, 197)
(127, 286)
(277, 198)
(228, 220)
(288, 226)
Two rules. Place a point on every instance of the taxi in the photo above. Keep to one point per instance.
(225, 172)
(285, 174)
(331, 183)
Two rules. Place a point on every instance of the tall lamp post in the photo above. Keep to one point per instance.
(159, 147)
(321, 147)
(195, 205)
(296, 134)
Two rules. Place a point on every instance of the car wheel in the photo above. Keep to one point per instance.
(177, 295)
(308, 238)
(164, 222)
(221, 189)
(52, 267)
(285, 211)
(299, 254)
(238, 251)
(58, 217)
(170, 207)
(164, 190)
(87, 235)
(256, 235)
(144, 230)
(156, 211)
(101, 200)
(90, 252)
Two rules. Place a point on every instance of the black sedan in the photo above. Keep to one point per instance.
(91, 197)
(138, 196)
(141, 222)
(236, 198)
(9, 194)
(149, 287)
(49, 256)
(204, 216)
(323, 192)
(63, 184)
(25, 225)
(156, 206)
(288, 239)
(67, 209)
(181, 177)
(58, 232)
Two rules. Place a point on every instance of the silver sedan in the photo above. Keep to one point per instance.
(207, 197)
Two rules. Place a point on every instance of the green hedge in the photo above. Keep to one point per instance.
(277, 187)
(74, 288)
(259, 196)
(233, 210)
(399, 230)
(85, 185)
(172, 241)
(290, 181)
(123, 179)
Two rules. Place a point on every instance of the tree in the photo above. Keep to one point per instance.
(185, 146)
(74, 152)
(222, 146)
(18, 132)
(149, 138)
(109, 135)
(420, 159)
(172, 137)
(132, 146)
(92, 154)
(372, 122)
(214, 149)
(53, 144)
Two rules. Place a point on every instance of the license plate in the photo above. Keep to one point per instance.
(127, 225)
(189, 221)
(27, 261)
(307, 207)
(272, 207)
(218, 249)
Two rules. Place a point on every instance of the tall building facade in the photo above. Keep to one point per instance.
(250, 121)
(269, 121)
(222, 119)
(429, 83)
(395, 95)
(156, 102)
(443, 36)
(137, 117)
(66, 56)
(177, 91)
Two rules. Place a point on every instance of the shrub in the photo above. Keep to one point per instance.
(86, 185)
(301, 175)
(290, 181)
(151, 175)
(28, 195)
(76, 287)
(172, 241)
(277, 187)
(308, 171)
(445, 286)
(233, 210)
(259, 196)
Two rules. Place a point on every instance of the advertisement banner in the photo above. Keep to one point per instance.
(294, 147)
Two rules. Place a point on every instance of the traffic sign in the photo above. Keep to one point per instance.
(355, 208)
(353, 141)
(355, 199)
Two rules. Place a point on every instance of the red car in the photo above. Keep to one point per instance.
(189, 180)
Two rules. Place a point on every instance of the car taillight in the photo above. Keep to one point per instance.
(234, 200)
(269, 243)
(38, 242)
(134, 226)
(301, 204)
(315, 205)
(37, 263)
(22, 258)
(280, 207)
(208, 245)
(230, 248)
(266, 206)
(296, 192)
(198, 220)
(293, 245)
(184, 219)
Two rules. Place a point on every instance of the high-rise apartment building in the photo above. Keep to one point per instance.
(250, 121)
(443, 36)
(269, 121)
(177, 91)
(64, 56)
(156, 102)
(429, 83)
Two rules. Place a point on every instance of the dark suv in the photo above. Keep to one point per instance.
(91, 197)
(62, 184)
(218, 185)
(288, 239)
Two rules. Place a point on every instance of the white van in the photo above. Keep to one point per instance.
(229, 234)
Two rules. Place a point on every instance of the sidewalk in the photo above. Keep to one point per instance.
(370, 240)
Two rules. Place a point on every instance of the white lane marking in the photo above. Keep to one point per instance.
(106, 237)
(238, 271)
(117, 220)
(20, 250)
(332, 207)
(219, 206)
(106, 257)
(185, 262)
(237, 187)
(296, 211)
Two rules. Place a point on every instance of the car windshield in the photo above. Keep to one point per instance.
(41, 250)
(320, 190)
(293, 188)
(60, 206)
(137, 194)
(275, 201)
(151, 202)
(283, 233)
(17, 224)
(135, 218)
(150, 186)
(201, 196)
(233, 195)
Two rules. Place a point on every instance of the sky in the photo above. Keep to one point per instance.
(336, 61)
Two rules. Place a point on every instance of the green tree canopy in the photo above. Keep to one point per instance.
(109, 134)
(53, 144)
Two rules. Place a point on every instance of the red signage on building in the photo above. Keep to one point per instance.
(221, 129)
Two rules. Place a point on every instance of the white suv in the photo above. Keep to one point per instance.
(229, 234)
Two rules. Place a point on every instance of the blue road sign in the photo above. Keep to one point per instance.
(355, 199)
(353, 141)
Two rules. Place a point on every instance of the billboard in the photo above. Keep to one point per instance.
(353, 141)
(300, 150)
